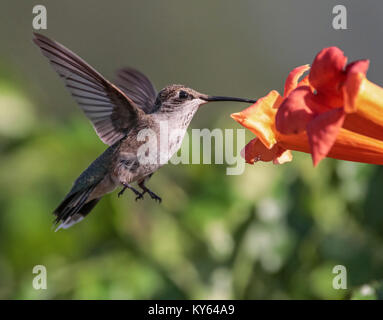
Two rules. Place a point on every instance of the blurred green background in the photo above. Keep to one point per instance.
(272, 232)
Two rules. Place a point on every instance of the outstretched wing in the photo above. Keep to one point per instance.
(137, 87)
(111, 112)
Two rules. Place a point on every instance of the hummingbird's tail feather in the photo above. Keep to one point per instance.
(74, 208)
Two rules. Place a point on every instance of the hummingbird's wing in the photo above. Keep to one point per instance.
(138, 88)
(111, 112)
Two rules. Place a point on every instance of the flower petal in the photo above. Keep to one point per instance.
(322, 133)
(304, 82)
(294, 114)
(293, 78)
(285, 156)
(255, 151)
(259, 118)
(356, 72)
(327, 74)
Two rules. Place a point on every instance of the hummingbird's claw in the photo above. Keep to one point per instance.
(157, 198)
(136, 192)
(121, 192)
(140, 196)
(146, 190)
(154, 196)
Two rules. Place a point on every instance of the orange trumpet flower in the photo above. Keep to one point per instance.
(334, 112)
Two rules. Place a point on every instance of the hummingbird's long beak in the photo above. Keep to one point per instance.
(219, 98)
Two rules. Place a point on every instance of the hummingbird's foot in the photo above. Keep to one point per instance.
(136, 192)
(140, 196)
(153, 195)
(122, 191)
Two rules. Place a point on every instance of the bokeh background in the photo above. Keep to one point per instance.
(274, 232)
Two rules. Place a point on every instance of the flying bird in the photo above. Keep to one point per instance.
(118, 113)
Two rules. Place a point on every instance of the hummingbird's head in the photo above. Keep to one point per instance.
(177, 97)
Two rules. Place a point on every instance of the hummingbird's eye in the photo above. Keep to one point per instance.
(183, 95)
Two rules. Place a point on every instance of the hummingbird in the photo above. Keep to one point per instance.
(118, 113)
